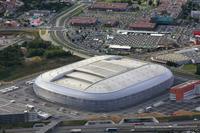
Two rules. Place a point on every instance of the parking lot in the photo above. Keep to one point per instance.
(17, 100)
(7, 106)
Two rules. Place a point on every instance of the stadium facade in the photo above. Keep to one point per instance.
(103, 83)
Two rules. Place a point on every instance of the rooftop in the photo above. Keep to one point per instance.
(104, 74)
(110, 6)
(142, 24)
(83, 20)
(185, 84)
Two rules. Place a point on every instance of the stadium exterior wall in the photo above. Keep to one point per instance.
(104, 105)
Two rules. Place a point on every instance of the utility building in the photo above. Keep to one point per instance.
(185, 91)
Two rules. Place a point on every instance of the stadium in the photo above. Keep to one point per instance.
(103, 83)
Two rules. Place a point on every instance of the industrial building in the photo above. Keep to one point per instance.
(140, 121)
(11, 24)
(196, 32)
(103, 83)
(39, 13)
(111, 23)
(172, 59)
(185, 91)
(83, 21)
(141, 40)
(109, 6)
(142, 25)
(162, 20)
(195, 14)
(181, 57)
(172, 7)
(18, 118)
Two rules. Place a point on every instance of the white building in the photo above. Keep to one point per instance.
(103, 83)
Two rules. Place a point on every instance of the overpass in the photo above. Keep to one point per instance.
(59, 38)
(33, 29)
(56, 33)
(131, 129)
(50, 127)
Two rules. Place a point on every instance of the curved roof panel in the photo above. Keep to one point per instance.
(104, 77)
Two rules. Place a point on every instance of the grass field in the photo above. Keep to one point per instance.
(73, 123)
(44, 65)
(191, 68)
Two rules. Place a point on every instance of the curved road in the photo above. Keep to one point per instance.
(59, 38)
(57, 35)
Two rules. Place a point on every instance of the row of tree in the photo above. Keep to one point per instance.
(44, 49)
(122, 1)
(42, 5)
(149, 2)
(13, 57)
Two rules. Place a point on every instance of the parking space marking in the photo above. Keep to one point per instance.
(17, 107)
(4, 99)
(21, 105)
(12, 108)
(4, 105)
(4, 110)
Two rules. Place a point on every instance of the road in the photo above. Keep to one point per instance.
(15, 42)
(57, 35)
(124, 128)
(32, 29)
(56, 32)
(59, 38)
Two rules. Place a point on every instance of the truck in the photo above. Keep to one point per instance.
(111, 130)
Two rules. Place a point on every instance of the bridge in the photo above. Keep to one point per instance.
(33, 29)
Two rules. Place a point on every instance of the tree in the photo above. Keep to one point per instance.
(2, 130)
(56, 53)
(38, 44)
(198, 69)
(11, 56)
(35, 52)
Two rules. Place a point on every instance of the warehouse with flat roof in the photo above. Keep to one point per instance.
(185, 91)
(103, 83)
(142, 25)
(83, 21)
(109, 6)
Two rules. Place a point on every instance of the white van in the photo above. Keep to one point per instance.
(111, 130)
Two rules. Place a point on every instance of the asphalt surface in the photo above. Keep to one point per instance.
(59, 37)
(124, 128)
(25, 95)
(127, 128)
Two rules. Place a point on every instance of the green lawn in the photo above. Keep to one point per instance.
(191, 68)
(74, 123)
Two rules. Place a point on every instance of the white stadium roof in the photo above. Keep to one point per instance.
(97, 77)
